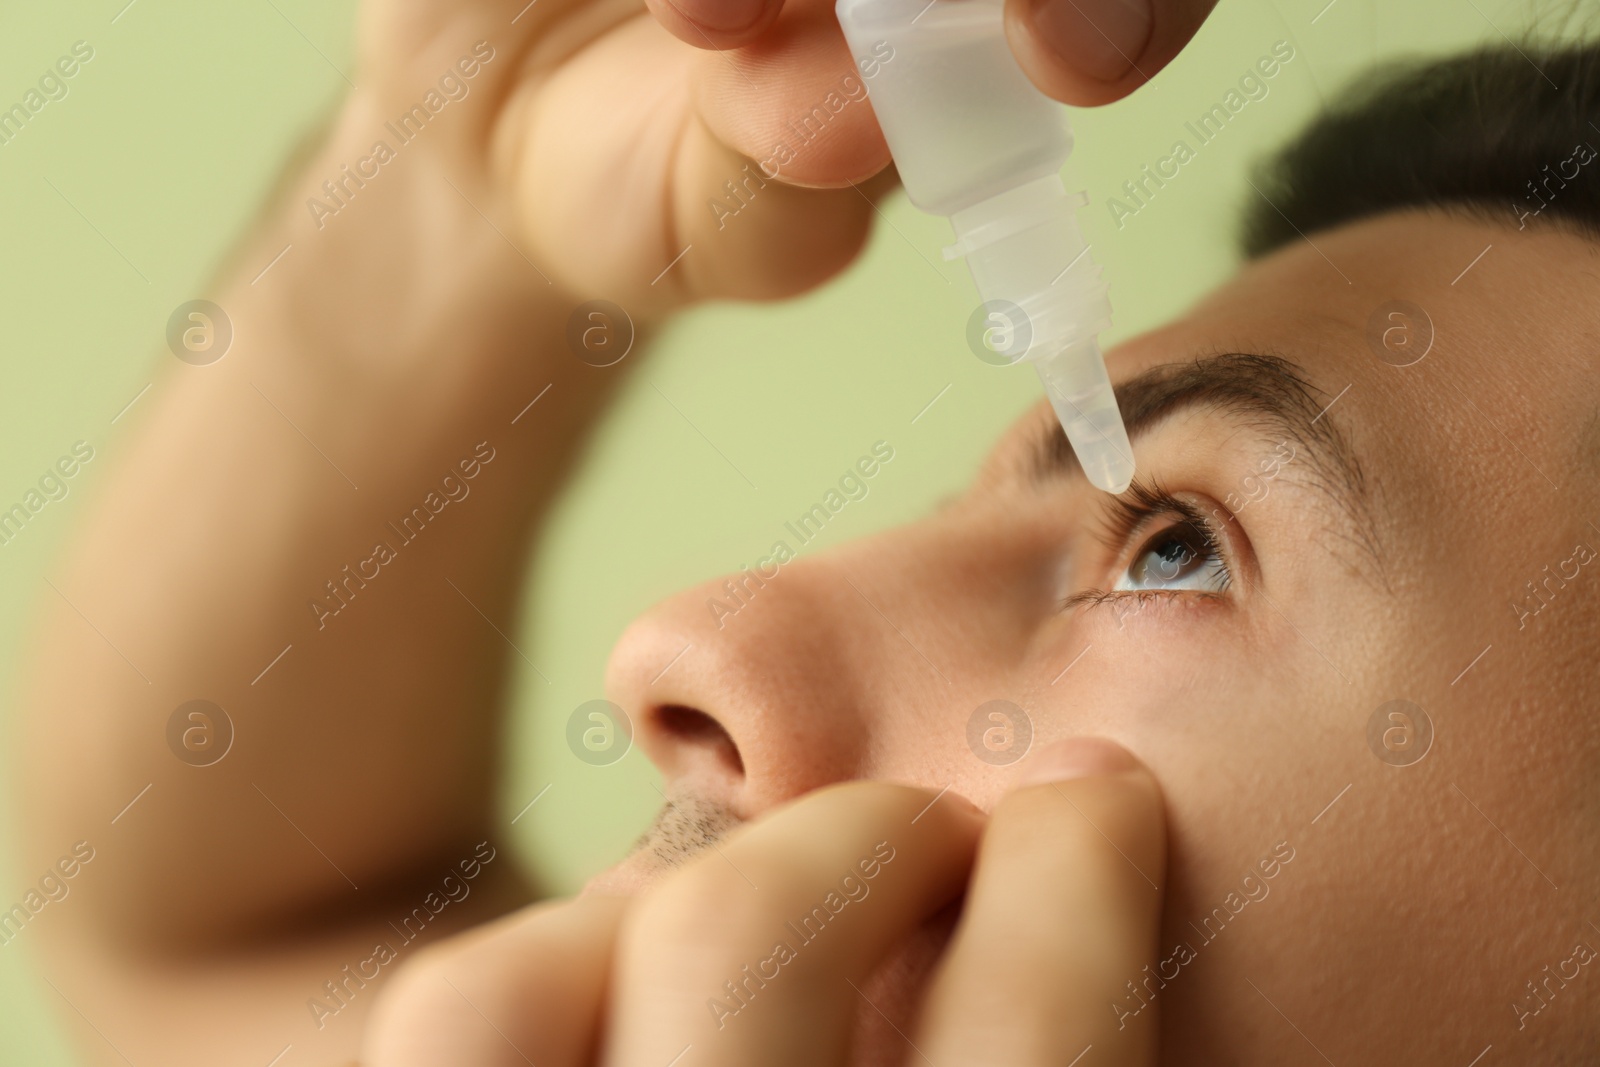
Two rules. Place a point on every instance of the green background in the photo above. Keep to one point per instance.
(171, 136)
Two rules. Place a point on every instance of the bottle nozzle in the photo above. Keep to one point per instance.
(1015, 244)
(975, 140)
(1075, 380)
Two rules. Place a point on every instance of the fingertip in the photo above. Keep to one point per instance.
(966, 808)
(1094, 781)
(944, 806)
(949, 816)
(715, 24)
(1091, 52)
(1075, 55)
(1075, 757)
(1097, 39)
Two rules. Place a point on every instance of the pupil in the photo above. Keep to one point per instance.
(1174, 553)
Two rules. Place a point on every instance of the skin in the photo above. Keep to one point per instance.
(1251, 710)
(1403, 929)
(598, 980)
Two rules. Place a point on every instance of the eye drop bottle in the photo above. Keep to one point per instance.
(975, 141)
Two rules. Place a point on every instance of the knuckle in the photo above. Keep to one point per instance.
(415, 1012)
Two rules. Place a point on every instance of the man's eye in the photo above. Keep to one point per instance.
(1179, 557)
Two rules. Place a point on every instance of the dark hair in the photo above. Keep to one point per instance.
(1495, 133)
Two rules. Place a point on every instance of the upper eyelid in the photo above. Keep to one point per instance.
(1132, 518)
(1126, 518)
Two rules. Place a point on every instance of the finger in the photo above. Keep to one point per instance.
(527, 988)
(795, 102)
(1063, 912)
(1089, 52)
(736, 229)
(791, 158)
(756, 238)
(715, 24)
(753, 952)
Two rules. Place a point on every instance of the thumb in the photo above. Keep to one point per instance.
(1088, 52)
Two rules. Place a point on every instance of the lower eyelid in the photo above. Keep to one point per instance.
(1161, 607)
(1094, 598)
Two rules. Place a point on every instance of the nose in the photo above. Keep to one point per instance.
(861, 662)
(736, 689)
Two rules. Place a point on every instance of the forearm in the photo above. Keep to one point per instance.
(276, 533)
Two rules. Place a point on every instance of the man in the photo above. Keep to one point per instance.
(1345, 619)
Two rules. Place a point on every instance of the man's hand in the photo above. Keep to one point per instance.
(760, 950)
(1081, 52)
(608, 134)
(603, 140)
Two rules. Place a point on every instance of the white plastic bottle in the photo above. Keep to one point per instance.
(974, 140)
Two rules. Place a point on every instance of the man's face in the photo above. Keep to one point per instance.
(1314, 532)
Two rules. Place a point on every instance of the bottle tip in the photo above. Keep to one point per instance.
(1105, 466)
(1075, 380)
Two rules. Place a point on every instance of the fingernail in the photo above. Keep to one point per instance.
(1100, 39)
(726, 16)
(1075, 757)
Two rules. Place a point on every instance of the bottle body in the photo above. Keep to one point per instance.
(962, 121)
(974, 140)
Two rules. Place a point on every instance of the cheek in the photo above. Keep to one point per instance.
(1249, 742)
(1243, 726)
(1262, 752)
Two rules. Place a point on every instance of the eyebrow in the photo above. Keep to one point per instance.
(1267, 393)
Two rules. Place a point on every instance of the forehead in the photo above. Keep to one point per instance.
(1456, 353)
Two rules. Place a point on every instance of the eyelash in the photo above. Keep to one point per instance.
(1134, 515)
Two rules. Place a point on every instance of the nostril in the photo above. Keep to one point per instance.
(694, 729)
